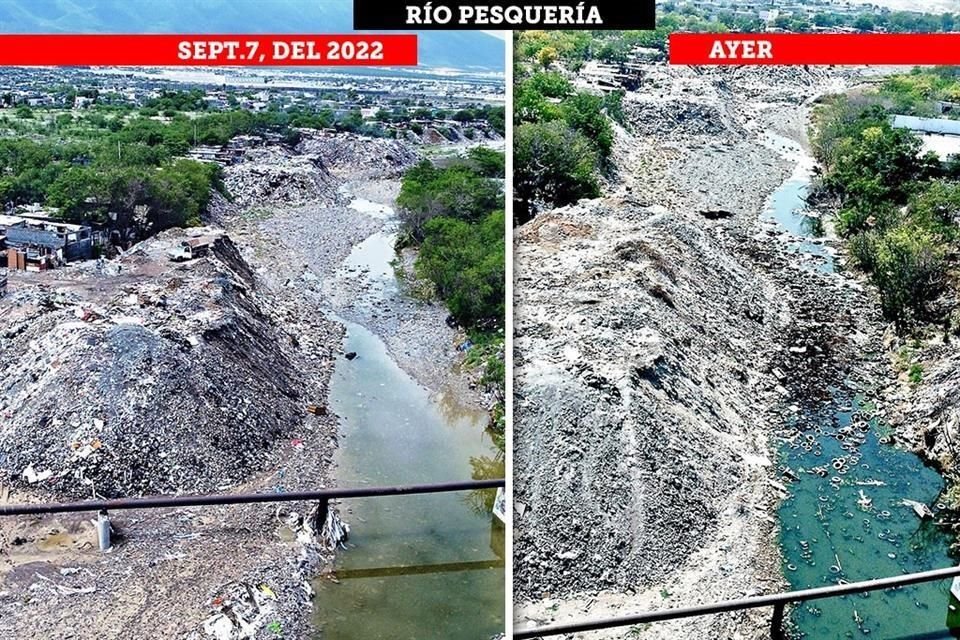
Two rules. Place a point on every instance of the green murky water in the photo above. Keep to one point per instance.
(844, 519)
(417, 567)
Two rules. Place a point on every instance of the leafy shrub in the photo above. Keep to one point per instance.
(613, 106)
(909, 269)
(553, 166)
(863, 250)
(915, 375)
(488, 163)
(457, 191)
(466, 263)
(584, 113)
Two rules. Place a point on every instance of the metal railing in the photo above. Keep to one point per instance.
(322, 496)
(777, 600)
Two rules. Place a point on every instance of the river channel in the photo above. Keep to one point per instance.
(416, 567)
(845, 519)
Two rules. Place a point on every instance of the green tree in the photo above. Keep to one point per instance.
(554, 165)
(488, 163)
(466, 264)
(584, 112)
(457, 191)
(909, 269)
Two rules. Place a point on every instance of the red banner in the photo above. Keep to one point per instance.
(815, 48)
(208, 50)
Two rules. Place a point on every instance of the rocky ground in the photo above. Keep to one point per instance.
(649, 397)
(143, 376)
(133, 378)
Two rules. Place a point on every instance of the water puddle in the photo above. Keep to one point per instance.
(372, 209)
(417, 567)
(845, 519)
(370, 265)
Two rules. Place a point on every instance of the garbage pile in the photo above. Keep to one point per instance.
(277, 176)
(676, 117)
(167, 377)
(348, 155)
(242, 609)
(775, 83)
(644, 385)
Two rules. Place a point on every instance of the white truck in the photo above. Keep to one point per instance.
(190, 249)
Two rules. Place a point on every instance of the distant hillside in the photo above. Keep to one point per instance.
(457, 49)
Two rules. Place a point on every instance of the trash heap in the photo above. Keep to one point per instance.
(677, 116)
(164, 378)
(275, 175)
(348, 155)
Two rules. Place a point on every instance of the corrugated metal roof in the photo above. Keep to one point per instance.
(927, 125)
(10, 221)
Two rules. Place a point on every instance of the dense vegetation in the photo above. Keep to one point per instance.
(576, 47)
(113, 165)
(454, 215)
(562, 140)
(897, 208)
(117, 158)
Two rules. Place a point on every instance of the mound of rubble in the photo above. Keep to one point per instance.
(272, 175)
(636, 436)
(352, 156)
(163, 377)
(927, 414)
(676, 117)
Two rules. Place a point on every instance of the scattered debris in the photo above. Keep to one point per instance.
(923, 511)
(273, 175)
(242, 609)
(353, 156)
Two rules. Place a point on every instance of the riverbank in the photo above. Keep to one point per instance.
(338, 258)
(730, 335)
(415, 566)
(259, 305)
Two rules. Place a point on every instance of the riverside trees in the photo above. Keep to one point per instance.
(454, 215)
(897, 208)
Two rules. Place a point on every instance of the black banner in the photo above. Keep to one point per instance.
(416, 15)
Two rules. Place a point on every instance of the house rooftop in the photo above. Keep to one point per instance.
(942, 126)
(10, 221)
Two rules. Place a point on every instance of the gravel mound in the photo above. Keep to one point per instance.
(676, 117)
(272, 175)
(636, 422)
(351, 156)
(178, 383)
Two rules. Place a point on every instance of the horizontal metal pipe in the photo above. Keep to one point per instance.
(159, 502)
(755, 602)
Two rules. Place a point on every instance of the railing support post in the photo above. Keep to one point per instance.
(776, 624)
(323, 509)
(103, 530)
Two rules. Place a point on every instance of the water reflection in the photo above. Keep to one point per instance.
(428, 566)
